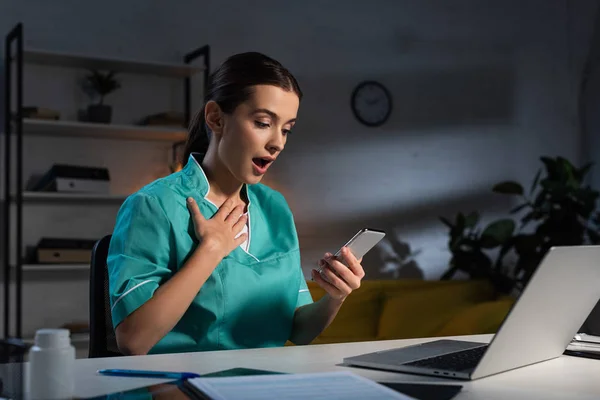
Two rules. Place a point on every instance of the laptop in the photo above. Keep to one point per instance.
(555, 303)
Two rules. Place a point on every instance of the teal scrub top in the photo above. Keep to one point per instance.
(249, 299)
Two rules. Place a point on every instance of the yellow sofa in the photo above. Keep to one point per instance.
(399, 309)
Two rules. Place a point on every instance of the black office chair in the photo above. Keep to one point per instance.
(12, 380)
(103, 341)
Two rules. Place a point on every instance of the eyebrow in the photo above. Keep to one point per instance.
(271, 114)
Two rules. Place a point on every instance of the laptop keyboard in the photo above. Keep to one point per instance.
(457, 361)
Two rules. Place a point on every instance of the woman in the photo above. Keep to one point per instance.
(207, 258)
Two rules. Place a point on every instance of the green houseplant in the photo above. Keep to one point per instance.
(98, 85)
(558, 210)
(471, 245)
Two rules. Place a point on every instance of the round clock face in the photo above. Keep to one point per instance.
(371, 103)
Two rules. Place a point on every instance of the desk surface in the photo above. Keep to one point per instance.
(562, 378)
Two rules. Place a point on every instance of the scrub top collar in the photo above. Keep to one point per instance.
(197, 178)
(193, 170)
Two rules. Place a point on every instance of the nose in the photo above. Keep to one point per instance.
(276, 143)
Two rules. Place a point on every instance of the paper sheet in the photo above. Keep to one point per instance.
(593, 348)
(314, 386)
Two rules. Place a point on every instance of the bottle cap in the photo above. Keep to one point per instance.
(52, 338)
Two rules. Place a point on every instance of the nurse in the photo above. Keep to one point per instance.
(207, 258)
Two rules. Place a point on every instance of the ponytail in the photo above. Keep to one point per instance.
(198, 137)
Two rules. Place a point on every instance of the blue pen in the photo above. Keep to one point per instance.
(148, 374)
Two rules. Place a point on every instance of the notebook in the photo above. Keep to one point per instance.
(314, 386)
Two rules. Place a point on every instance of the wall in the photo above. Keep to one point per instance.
(481, 90)
(590, 101)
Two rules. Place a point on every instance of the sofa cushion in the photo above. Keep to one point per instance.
(423, 310)
(358, 318)
(478, 319)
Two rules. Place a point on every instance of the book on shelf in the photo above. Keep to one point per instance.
(74, 179)
(168, 118)
(40, 113)
(77, 328)
(64, 251)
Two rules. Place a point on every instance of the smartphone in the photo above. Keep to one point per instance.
(362, 242)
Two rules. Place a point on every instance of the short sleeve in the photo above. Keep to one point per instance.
(139, 254)
(304, 296)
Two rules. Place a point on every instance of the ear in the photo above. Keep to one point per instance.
(213, 117)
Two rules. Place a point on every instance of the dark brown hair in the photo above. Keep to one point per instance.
(230, 85)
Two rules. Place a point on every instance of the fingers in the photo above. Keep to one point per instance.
(352, 263)
(336, 278)
(235, 215)
(194, 210)
(239, 224)
(240, 239)
(340, 276)
(340, 270)
(328, 287)
(226, 208)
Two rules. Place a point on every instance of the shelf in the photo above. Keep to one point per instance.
(40, 197)
(72, 60)
(106, 131)
(54, 267)
(76, 338)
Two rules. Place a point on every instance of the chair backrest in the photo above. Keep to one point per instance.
(12, 379)
(103, 341)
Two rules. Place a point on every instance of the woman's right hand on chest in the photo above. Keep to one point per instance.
(219, 234)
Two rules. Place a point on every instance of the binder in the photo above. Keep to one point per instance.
(72, 178)
(64, 251)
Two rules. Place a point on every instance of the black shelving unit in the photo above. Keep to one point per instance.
(14, 58)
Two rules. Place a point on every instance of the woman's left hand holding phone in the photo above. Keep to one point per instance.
(339, 276)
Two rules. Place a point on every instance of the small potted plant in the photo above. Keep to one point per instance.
(98, 85)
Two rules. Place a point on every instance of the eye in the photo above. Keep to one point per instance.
(287, 131)
(261, 125)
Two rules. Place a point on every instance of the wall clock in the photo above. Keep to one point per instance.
(371, 103)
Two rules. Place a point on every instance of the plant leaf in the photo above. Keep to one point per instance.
(460, 222)
(582, 172)
(518, 208)
(446, 222)
(540, 198)
(527, 218)
(551, 167)
(489, 242)
(526, 244)
(483, 263)
(472, 219)
(566, 172)
(499, 231)
(448, 274)
(506, 247)
(508, 187)
(103, 84)
(535, 182)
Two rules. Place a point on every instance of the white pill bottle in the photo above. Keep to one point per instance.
(51, 366)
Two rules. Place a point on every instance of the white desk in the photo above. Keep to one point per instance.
(562, 378)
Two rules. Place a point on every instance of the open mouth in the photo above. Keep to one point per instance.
(261, 162)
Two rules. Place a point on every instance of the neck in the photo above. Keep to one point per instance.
(222, 184)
